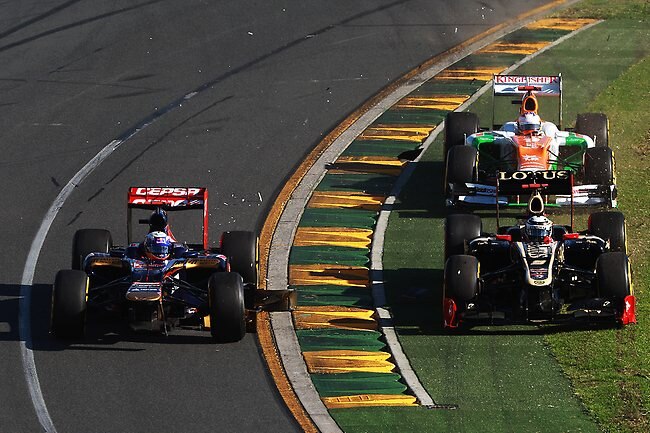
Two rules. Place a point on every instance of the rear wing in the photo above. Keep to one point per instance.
(523, 85)
(169, 199)
(535, 183)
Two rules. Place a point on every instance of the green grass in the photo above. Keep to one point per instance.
(637, 10)
(607, 369)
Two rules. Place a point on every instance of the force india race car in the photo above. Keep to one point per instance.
(537, 270)
(195, 287)
(474, 157)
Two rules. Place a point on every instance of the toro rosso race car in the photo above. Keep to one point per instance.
(161, 283)
(474, 157)
(536, 270)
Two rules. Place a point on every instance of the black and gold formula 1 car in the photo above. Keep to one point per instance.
(536, 270)
(192, 286)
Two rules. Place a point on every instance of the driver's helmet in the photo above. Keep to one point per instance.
(157, 246)
(529, 123)
(538, 228)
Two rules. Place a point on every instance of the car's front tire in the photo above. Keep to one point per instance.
(226, 306)
(613, 275)
(69, 303)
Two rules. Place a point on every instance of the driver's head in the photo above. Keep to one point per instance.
(157, 246)
(538, 228)
(529, 123)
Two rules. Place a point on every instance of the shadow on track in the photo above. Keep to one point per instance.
(102, 333)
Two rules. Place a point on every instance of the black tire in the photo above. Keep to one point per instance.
(226, 303)
(613, 275)
(461, 278)
(460, 228)
(88, 241)
(594, 125)
(458, 125)
(69, 304)
(609, 226)
(461, 165)
(241, 249)
(599, 166)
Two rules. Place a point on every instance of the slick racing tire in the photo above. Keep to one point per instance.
(613, 275)
(226, 305)
(594, 125)
(460, 228)
(69, 304)
(461, 278)
(88, 241)
(459, 125)
(609, 226)
(599, 166)
(241, 249)
(461, 165)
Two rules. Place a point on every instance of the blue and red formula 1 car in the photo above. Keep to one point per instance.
(160, 283)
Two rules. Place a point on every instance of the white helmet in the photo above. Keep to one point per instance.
(529, 123)
(537, 228)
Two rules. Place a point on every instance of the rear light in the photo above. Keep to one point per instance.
(504, 238)
(571, 236)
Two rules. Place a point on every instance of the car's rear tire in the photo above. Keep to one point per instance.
(226, 305)
(599, 166)
(613, 275)
(594, 125)
(461, 165)
(610, 226)
(460, 228)
(461, 278)
(69, 301)
(459, 125)
(241, 248)
(88, 241)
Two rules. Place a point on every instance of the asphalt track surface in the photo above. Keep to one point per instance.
(272, 78)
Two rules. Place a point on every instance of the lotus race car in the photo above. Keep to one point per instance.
(536, 270)
(474, 157)
(192, 286)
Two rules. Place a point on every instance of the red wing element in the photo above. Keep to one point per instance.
(167, 197)
(449, 313)
(629, 313)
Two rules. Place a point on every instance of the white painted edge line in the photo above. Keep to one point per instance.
(382, 224)
(277, 273)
